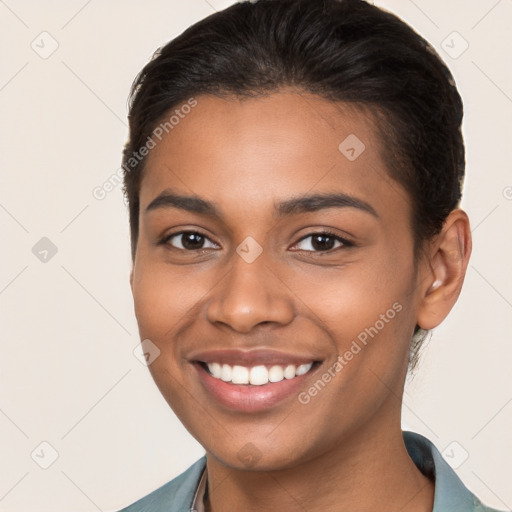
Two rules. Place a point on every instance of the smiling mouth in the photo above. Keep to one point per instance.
(253, 381)
(259, 375)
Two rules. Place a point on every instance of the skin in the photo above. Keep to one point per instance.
(344, 449)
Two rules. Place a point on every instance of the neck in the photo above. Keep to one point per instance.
(371, 470)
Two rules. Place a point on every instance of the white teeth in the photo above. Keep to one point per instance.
(226, 373)
(289, 371)
(303, 368)
(215, 370)
(276, 374)
(257, 375)
(240, 375)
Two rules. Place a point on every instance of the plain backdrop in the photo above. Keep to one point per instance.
(68, 376)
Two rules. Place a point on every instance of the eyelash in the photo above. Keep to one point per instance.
(345, 243)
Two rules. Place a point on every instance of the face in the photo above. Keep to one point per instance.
(274, 272)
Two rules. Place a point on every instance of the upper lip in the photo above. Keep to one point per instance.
(250, 357)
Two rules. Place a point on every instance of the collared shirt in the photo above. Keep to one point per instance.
(186, 493)
(199, 497)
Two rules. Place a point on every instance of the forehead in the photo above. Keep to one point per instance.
(247, 153)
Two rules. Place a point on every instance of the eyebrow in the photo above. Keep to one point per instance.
(293, 206)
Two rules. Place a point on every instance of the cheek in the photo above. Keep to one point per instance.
(164, 297)
(368, 319)
(164, 306)
(368, 313)
(353, 298)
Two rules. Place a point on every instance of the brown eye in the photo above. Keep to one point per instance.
(188, 241)
(321, 242)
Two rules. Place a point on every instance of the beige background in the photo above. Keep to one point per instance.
(68, 375)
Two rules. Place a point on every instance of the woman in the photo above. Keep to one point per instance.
(293, 173)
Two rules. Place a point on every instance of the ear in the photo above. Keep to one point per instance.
(441, 283)
(131, 279)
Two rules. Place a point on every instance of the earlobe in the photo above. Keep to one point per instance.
(448, 261)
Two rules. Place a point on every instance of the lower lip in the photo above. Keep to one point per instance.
(249, 398)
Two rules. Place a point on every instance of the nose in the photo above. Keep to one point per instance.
(250, 294)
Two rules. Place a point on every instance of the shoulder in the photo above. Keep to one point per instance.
(176, 495)
(480, 507)
(450, 495)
